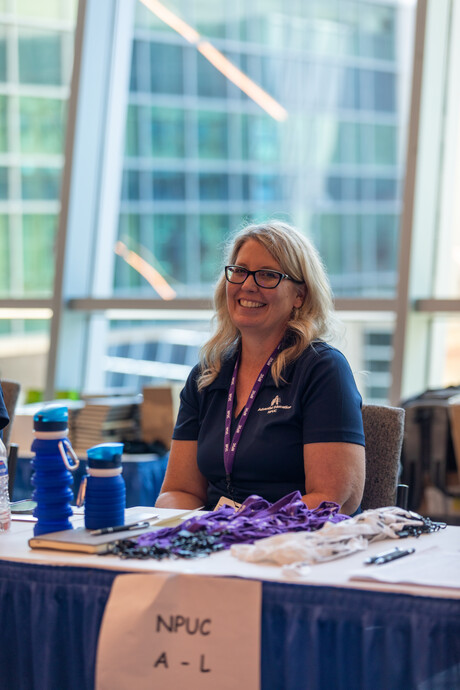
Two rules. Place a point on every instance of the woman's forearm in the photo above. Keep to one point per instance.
(313, 499)
(178, 499)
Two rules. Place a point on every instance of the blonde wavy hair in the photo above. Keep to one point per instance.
(297, 258)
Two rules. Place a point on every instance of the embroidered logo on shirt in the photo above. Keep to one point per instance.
(274, 406)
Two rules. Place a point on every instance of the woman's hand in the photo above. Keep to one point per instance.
(184, 486)
(334, 472)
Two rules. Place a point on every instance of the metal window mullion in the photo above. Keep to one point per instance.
(110, 179)
(112, 149)
(61, 238)
(89, 208)
(399, 336)
(15, 230)
(448, 221)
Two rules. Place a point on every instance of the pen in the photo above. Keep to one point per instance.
(388, 556)
(123, 528)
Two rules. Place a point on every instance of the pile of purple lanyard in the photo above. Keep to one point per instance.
(204, 534)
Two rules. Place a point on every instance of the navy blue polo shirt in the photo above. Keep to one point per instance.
(318, 402)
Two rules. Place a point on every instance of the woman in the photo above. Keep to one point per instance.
(268, 383)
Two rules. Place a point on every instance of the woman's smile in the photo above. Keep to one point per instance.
(250, 304)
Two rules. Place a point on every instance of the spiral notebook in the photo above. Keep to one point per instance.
(80, 539)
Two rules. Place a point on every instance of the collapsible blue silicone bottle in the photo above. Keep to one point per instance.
(52, 476)
(105, 498)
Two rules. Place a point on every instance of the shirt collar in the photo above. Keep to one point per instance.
(224, 377)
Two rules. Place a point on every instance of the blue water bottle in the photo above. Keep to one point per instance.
(105, 497)
(52, 476)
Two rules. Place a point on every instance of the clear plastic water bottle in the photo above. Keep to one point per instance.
(5, 510)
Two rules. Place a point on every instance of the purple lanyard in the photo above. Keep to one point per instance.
(230, 448)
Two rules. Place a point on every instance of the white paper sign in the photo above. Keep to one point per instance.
(167, 631)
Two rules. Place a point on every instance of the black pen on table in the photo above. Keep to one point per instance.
(388, 556)
(123, 528)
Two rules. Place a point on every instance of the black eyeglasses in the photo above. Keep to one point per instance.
(263, 277)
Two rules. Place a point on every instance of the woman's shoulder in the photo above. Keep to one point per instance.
(319, 360)
(195, 371)
(222, 378)
(323, 366)
(320, 351)
(190, 387)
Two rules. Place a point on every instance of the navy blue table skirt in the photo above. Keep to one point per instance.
(312, 637)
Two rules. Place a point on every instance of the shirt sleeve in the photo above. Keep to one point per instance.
(187, 424)
(4, 419)
(331, 401)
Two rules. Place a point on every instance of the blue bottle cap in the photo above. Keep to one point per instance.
(51, 418)
(105, 456)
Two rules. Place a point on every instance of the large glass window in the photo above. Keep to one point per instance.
(40, 183)
(40, 57)
(39, 233)
(167, 132)
(204, 155)
(213, 230)
(3, 123)
(36, 56)
(154, 350)
(291, 109)
(42, 125)
(212, 135)
(3, 67)
(297, 110)
(46, 9)
(5, 263)
(3, 183)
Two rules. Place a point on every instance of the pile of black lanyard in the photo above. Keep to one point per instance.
(184, 544)
(426, 527)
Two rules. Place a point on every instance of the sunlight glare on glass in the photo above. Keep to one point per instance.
(146, 270)
(218, 60)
